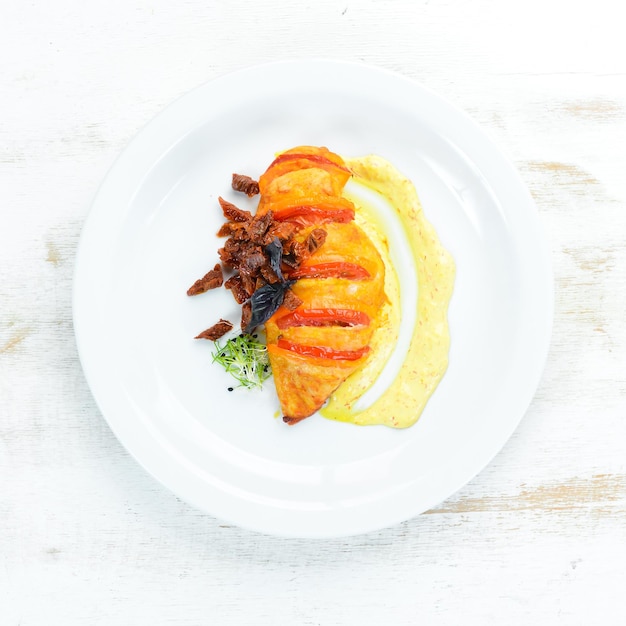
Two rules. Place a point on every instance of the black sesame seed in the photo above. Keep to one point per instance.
(230, 389)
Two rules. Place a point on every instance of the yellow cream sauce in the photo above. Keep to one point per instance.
(426, 355)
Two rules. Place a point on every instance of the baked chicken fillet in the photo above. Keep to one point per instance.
(315, 347)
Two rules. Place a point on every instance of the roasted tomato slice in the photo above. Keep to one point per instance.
(312, 214)
(323, 317)
(323, 352)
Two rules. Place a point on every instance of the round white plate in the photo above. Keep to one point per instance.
(151, 233)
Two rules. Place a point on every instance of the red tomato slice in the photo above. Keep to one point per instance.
(323, 317)
(323, 352)
(306, 214)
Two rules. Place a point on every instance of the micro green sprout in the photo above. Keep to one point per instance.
(245, 358)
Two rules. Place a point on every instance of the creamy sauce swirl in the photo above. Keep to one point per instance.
(426, 359)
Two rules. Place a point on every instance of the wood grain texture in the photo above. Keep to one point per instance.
(86, 537)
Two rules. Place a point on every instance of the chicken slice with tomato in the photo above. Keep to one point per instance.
(315, 347)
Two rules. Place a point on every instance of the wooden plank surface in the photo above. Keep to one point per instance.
(86, 537)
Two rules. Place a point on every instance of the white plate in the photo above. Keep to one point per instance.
(150, 234)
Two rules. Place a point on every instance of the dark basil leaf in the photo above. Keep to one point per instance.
(265, 302)
(275, 251)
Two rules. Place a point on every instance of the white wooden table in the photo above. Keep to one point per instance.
(86, 537)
